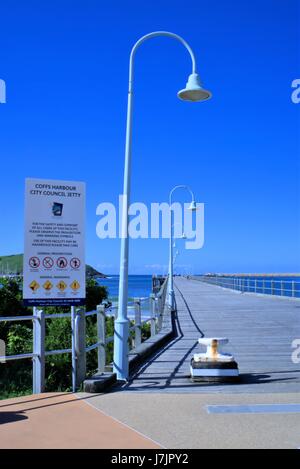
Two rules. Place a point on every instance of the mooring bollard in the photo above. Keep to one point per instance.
(213, 366)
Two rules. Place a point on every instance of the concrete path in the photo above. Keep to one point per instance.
(161, 402)
(260, 328)
(63, 421)
(182, 420)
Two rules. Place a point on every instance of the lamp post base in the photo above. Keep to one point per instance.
(171, 300)
(120, 364)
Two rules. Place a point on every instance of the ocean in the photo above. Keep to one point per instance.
(139, 286)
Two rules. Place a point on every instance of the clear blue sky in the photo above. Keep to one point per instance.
(66, 67)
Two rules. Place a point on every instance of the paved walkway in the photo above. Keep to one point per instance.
(63, 421)
(260, 329)
(160, 404)
(182, 420)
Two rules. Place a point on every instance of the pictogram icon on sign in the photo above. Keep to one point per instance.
(34, 262)
(75, 263)
(48, 262)
(75, 285)
(62, 262)
(48, 285)
(34, 286)
(61, 286)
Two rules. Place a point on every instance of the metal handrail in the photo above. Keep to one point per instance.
(155, 308)
(108, 340)
(261, 285)
(16, 318)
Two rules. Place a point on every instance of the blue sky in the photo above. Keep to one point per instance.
(65, 64)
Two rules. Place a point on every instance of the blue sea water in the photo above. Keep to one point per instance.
(139, 286)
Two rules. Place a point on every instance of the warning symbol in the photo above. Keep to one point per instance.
(48, 285)
(75, 285)
(61, 286)
(48, 262)
(34, 286)
(62, 262)
(75, 263)
(34, 262)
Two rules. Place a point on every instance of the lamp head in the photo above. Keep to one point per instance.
(193, 90)
(193, 206)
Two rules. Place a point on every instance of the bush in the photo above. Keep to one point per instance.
(16, 376)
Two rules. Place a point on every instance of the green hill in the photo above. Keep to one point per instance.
(11, 264)
(14, 265)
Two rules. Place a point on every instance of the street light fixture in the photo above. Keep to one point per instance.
(193, 207)
(192, 92)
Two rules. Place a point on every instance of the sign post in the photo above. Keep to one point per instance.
(54, 252)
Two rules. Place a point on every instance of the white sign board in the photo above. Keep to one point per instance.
(54, 254)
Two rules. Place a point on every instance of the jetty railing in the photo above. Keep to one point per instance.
(145, 310)
(265, 286)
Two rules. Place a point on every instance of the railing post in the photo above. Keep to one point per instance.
(255, 285)
(74, 366)
(161, 306)
(163, 299)
(293, 289)
(153, 314)
(282, 288)
(272, 287)
(80, 346)
(263, 286)
(39, 351)
(101, 338)
(137, 322)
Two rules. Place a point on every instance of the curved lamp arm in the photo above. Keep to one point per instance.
(181, 186)
(155, 34)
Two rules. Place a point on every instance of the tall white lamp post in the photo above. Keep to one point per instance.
(193, 206)
(192, 92)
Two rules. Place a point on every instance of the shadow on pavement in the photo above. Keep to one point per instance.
(10, 417)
